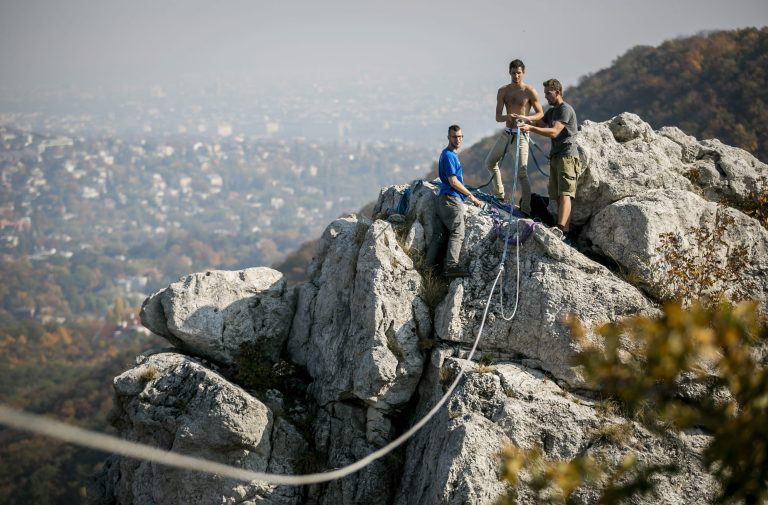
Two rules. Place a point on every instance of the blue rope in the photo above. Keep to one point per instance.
(530, 141)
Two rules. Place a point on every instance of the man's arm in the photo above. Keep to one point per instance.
(500, 117)
(541, 129)
(458, 186)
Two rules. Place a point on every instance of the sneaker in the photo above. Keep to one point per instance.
(456, 272)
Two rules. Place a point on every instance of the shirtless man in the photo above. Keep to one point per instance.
(518, 98)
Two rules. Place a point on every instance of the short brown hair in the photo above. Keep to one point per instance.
(554, 84)
(516, 64)
(453, 128)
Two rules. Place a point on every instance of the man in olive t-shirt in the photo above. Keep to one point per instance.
(559, 124)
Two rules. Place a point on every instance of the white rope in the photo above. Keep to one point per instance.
(115, 445)
(517, 236)
(517, 285)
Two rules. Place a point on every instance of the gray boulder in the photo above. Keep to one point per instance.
(713, 240)
(455, 458)
(360, 327)
(357, 329)
(175, 403)
(213, 313)
(359, 319)
(555, 282)
(625, 157)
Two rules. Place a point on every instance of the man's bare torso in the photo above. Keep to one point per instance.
(517, 100)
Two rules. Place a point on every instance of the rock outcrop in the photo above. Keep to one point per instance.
(213, 313)
(377, 340)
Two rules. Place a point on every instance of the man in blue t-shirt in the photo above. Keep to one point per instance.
(450, 208)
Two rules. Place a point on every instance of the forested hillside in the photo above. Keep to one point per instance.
(710, 85)
(60, 371)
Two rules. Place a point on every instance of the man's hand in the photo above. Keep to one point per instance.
(474, 201)
(525, 128)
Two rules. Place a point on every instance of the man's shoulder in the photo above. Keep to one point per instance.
(563, 109)
(449, 155)
(510, 88)
(447, 151)
(568, 112)
(530, 90)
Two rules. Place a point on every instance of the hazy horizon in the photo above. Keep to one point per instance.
(46, 44)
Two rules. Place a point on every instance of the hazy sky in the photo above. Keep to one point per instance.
(447, 43)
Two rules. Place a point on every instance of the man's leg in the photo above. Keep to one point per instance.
(452, 216)
(568, 173)
(563, 212)
(437, 241)
(522, 175)
(552, 188)
(492, 164)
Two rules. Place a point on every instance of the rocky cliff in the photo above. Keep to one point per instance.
(304, 379)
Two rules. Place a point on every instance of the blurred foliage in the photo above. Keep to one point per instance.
(558, 482)
(711, 86)
(640, 362)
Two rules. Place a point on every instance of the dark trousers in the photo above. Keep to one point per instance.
(449, 226)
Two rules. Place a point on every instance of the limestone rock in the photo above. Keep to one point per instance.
(175, 403)
(357, 329)
(420, 209)
(510, 403)
(213, 313)
(340, 438)
(631, 232)
(360, 327)
(555, 281)
(625, 157)
(360, 317)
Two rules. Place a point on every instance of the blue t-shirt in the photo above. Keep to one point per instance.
(447, 166)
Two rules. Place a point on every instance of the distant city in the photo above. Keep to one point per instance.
(130, 189)
(406, 112)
